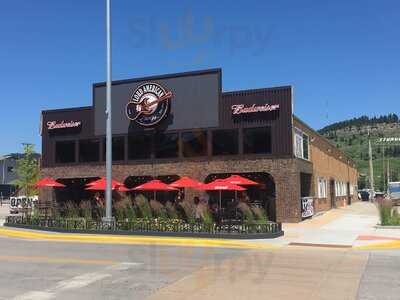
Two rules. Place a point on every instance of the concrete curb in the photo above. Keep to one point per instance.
(135, 240)
(387, 227)
(379, 246)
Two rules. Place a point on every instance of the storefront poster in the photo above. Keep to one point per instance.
(307, 207)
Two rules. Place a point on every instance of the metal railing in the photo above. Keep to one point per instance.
(146, 225)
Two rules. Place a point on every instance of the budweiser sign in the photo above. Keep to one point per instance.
(51, 125)
(238, 109)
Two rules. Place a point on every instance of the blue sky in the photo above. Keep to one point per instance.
(342, 57)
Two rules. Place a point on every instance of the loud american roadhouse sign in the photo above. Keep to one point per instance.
(149, 104)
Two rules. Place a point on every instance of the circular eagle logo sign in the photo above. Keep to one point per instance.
(149, 104)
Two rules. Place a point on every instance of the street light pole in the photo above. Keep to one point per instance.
(108, 117)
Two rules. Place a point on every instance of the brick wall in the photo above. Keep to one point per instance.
(329, 163)
(284, 172)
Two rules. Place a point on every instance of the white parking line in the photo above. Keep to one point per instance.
(74, 283)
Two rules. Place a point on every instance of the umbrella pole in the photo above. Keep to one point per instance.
(220, 195)
(155, 195)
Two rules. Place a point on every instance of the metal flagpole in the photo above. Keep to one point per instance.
(108, 117)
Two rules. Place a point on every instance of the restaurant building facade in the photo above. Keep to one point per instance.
(183, 124)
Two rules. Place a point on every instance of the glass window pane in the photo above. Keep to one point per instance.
(305, 146)
(139, 146)
(89, 150)
(225, 142)
(194, 143)
(118, 148)
(257, 140)
(166, 145)
(65, 152)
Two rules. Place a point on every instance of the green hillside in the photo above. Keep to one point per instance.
(352, 137)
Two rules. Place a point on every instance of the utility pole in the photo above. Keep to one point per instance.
(388, 173)
(383, 167)
(371, 167)
(108, 117)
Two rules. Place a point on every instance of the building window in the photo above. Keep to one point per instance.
(118, 148)
(340, 189)
(225, 142)
(89, 150)
(166, 145)
(139, 146)
(257, 140)
(10, 169)
(322, 188)
(305, 146)
(65, 152)
(194, 143)
(301, 144)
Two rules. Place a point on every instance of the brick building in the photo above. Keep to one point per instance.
(185, 125)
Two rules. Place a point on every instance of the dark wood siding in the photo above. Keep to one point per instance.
(281, 125)
(83, 114)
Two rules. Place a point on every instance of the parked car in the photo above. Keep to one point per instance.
(363, 195)
(394, 192)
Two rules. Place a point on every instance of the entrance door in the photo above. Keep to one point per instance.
(348, 194)
(332, 193)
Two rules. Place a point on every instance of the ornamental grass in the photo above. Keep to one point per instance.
(158, 209)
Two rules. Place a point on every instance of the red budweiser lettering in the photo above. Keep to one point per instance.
(63, 124)
(238, 109)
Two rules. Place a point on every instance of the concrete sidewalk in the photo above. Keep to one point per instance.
(351, 226)
(4, 211)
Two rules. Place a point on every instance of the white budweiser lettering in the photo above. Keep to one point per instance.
(238, 109)
(63, 124)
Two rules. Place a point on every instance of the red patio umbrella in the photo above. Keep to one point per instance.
(185, 182)
(239, 180)
(48, 182)
(123, 188)
(154, 185)
(100, 185)
(221, 185)
(103, 180)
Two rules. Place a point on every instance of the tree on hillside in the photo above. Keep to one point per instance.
(359, 122)
(27, 171)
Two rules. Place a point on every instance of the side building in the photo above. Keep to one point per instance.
(8, 173)
(183, 124)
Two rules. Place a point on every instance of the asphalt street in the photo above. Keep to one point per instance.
(42, 269)
(66, 270)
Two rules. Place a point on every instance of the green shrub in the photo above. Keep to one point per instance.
(248, 215)
(123, 209)
(143, 206)
(71, 210)
(171, 210)
(158, 209)
(260, 215)
(204, 213)
(86, 209)
(99, 212)
(389, 216)
(129, 209)
(189, 209)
